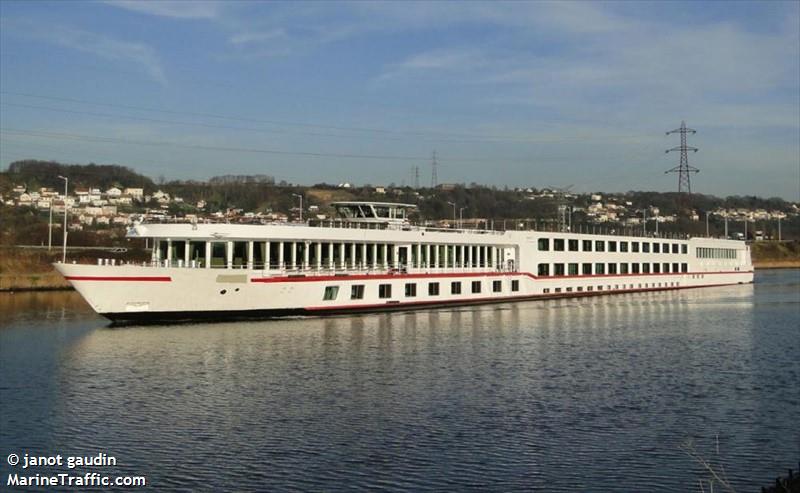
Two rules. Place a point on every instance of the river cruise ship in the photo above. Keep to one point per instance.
(373, 259)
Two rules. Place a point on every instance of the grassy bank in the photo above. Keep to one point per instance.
(775, 255)
(23, 269)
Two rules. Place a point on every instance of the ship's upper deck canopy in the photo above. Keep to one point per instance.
(381, 212)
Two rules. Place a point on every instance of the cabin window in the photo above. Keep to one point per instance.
(675, 248)
(665, 248)
(558, 269)
(197, 253)
(357, 292)
(573, 245)
(580, 288)
(656, 248)
(599, 268)
(645, 268)
(645, 247)
(656, 268)
(239, 254)
(543, 270)
(635, 268)
(558, 244)
(433, 289)
(569, 290)
(573, 269)
(684, 249)
(546, 290)
(515, 285)
(455, 287)
(218, 257)
(587, 269)
(497, 286)
(587, 245)
(675, 267)
(684, 267)
(612, 268)
(558, 290)
(635, 246)
(411, 290)
(544, 244)
(476, 287)
(331, 292)
(599, 246)
(612, 246)
(623, 246)
(259, 252)
(623, 268)
(384, 291)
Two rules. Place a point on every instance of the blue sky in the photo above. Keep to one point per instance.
(517, 93)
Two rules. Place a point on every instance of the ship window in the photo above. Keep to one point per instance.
(656, 268)
(623, 246)
(558, 244)
(665, 248)
(645, 268)
(197, 252)
(218, 254)
(433, 289)
(623, 268)
(587, 269)
(558, 290)
(569, 290)
(357, 292)
(612, 246)
(384, 291)
(239, 254)
(455, 287)
(543, 270)
(573, 245)
(497, 286)
(599, 246)
(656, 247)
(599, 268)
(684, 249)
(665, 267)
(589, 288)
(559, 269)
(645, 247)
(675, 248)
(515, 285)
(572, 269)
(476, 286)
(635, 268)
(612, 268)
(544, 244)
(587, 245)
(599, 288)
(580, 288)
(546, 290)
(675, 267)
(411, 290)
(635, 246)
(684, 267)
(331, 292)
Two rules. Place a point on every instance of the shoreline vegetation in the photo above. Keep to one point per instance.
(25, 269)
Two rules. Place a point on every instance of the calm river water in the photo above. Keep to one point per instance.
(595, 394)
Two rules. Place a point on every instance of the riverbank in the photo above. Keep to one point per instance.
(28, 269)
(25, 269)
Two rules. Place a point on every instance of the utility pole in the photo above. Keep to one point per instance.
(779, 228)
(66, 190)
(683, 169)
(434, 174)
(707, 224)
(50, 230)
(454, 211)
(644, 222)
(461, 217)
(726, 225)
(416, 177)
(300, 196)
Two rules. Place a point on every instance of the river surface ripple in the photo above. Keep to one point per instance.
(593, 394)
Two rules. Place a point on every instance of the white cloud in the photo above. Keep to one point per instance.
(183, 9)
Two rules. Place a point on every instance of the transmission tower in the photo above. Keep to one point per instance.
(416, 177)
(434, 176)
(683, 169)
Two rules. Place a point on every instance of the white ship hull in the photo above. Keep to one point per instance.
(299, 285)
